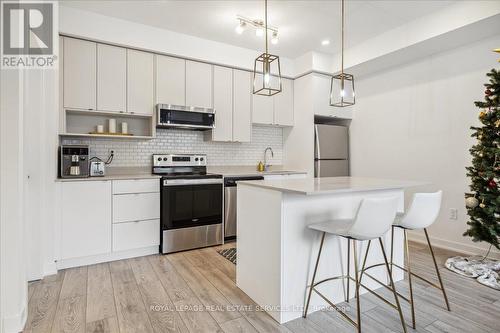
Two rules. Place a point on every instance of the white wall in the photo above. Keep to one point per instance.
(13, 286)
(412, 122)
(40, 170)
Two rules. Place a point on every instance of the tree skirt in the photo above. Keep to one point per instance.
(485, 271)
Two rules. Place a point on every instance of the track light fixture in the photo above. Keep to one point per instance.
(259, 27)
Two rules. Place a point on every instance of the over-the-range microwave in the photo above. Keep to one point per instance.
(177, 116)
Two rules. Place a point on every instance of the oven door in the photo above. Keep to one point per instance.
(191, 203)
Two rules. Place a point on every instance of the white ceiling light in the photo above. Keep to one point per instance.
(240, 27)
(325, 42)
(259, 32)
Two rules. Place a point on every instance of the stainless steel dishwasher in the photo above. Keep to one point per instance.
(230, 204)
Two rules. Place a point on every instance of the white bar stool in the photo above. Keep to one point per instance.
(373, 219)
(423, 211)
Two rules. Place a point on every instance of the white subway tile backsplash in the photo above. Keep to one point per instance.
(138, 153)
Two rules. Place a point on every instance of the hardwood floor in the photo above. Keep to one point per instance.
(195, 291)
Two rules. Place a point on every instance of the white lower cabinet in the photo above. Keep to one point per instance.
(135, 235)
(102, 218)
(86, 219)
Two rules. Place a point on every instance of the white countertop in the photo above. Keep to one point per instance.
(332, 185)
(243, 171)
(118, 173)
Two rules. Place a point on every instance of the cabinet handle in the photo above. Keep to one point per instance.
(132, 112)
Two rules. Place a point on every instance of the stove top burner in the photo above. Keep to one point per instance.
(182, 166)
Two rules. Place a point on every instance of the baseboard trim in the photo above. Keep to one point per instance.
(452, 246)
(84, 261)
(15, 324)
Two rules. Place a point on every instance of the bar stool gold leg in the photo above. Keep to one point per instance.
(392, 249)
(408, 265)
(314, 274)
(348, 269)
(364, 260)
(358, 308)
(393, 286)
(437, 270)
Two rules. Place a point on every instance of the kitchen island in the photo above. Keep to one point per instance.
(276, 251)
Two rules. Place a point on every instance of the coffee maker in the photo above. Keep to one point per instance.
(73, 161)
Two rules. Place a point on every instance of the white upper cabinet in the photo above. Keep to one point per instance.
(111, 78)
(322, 99)
(223, 104)
(283, 104)
(276, 109)
(242, 106)
(79, 74)
(198, 84)
(262, 107)
(140, 82)
(170, 80)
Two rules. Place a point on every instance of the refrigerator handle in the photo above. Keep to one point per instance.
(317, 141)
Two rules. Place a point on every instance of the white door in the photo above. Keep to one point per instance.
(223, 104)
(170, 80)
(283, 104)
(86, 218)
(242, 106)
(198, 84)
(79, 74)
(111, 78)
(140, 81)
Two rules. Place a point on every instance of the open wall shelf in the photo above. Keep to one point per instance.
(81, 123)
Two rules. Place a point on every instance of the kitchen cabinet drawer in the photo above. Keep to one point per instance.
(136, 207)
(135, 235)
(136, 186)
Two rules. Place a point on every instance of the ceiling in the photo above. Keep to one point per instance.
(302, 24)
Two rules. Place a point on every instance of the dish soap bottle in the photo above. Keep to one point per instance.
(260, 167)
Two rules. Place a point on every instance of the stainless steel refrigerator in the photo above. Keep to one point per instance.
(331, 151)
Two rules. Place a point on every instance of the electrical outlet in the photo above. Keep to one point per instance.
(453, 214)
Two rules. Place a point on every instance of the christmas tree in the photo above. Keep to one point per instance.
(483, 205)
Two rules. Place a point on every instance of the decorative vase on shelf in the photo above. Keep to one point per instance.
(124, 128)
(112, 125)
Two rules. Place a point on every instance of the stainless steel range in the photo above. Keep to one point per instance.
(191, 202)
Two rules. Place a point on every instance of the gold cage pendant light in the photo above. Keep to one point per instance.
(266, 69)
(342, 85)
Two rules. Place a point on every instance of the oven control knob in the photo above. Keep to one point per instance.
(196, 159)
(201, 158)
(159, 158)
(165, 159)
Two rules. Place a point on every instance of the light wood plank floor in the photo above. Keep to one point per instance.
(195, 291)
